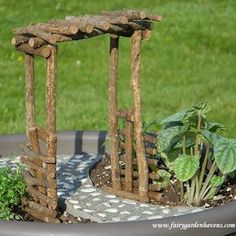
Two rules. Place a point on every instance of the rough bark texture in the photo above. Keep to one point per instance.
(113, 122)
(140, 149)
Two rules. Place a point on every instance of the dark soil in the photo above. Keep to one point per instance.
(101, 176)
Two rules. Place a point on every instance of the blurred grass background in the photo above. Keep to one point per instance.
(190, 58)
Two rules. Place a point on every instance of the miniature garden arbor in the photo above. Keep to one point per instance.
(40, 40)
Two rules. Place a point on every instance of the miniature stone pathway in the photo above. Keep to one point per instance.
(82, 199)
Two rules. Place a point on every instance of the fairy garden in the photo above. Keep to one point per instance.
(184, 161)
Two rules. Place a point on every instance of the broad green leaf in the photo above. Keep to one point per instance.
(185, 167)
(215, 127)
(166, 137)
(164, 178)
(175, 117)
(202, 108)
(217, 180)
(163, 173)
(209, 136)
(190, 141)
(225, 155)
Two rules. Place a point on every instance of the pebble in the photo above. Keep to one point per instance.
(129, 202)
(143, 205)
(88, 204)
(125, 213)
(155, 217)
(88, 210)
(95, 194)
(107, 167)
(114, 201)
(133, 218)
(82, 197)
(106, 204)
(77, 206)
(122, 205)
(112, 210)
(110, 196)
(96, 199)
(166, 211)
(74, 201)
(148, 212)
(88, 190)
(116, 219)
(88, 186)
(102, 214)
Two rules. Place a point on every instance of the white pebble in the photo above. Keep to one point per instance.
(88, 190)
(129, 202)
(154, 217)
(106, 204)
(76, 206)
(143, 205)
(87, 185)
(110, 196)
(133, 218)
(166, 211)
(122, 205)
(88, 210)
(95, 194)
(124, 213)
(148, 212)
(116, 219)
(102, 214)
(74, 201)
(114, 201)
(107, 167)
(96, 199)
(112, 210)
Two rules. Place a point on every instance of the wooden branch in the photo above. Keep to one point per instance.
(153, 18)
(25, 47)
(31, 164)
(40, 209)
(148, 150)
(40, 216)
(83, 26)
(36, 42)
(150, 161)
(140, 24)
(152, 176)
(42, 133)
(130, 14)
(146, 34)
(127, 115)
(140, 149)
(34, 140)
(147, 137)
(51, 183)
(128, 155)
(19, 39)
(42, 197)
(113, 121)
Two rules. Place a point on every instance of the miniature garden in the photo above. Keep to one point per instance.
(140, 169)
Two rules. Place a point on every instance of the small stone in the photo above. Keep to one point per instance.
(77, 206)
(74, 201)
(95, 194)
(228, 189)
(87, 185)
(206, 205)
(116, 219)
(88, 190)
(148, 212)
(122, 205)
(112, 210)
(60, 193)
(88, 210)
(106, 204)
(124, 213)
(143, 205)
(218, 197)
(110, 196)
(129, 202)
(133, 218)
(197, 210)
(102, 214)
(114, 201)
(166, 211)
(155, 217)
(88, 204)
(107, 167)
(82, 197)
(96, 199)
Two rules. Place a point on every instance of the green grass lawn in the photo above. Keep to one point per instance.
(190, 58)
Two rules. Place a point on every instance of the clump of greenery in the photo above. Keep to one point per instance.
(196, 154)
(12, 189)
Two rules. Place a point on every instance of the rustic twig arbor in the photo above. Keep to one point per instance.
(40, 40)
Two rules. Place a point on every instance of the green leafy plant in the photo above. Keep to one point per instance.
(189, 144)
(12, 189)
